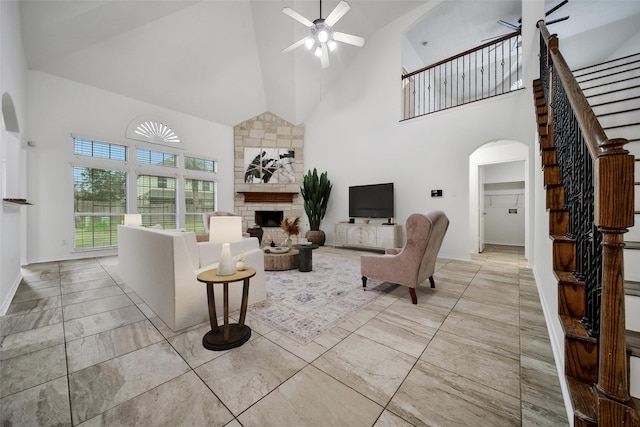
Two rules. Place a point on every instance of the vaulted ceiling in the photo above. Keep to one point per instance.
(222, 60)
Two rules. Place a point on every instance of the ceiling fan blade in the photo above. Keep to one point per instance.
(348, 38)
(508, 25)
(553, 9)
(295, 45)
(553, 21)
(324, 59)
(295, 15)
(337, 13)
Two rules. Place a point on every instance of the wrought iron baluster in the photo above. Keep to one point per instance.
(577, 178)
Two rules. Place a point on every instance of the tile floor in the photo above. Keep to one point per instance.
(78, 347)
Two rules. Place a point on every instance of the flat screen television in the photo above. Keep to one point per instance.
(371, 201)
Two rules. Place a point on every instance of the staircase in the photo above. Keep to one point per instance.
(587, 120)
(612, 89)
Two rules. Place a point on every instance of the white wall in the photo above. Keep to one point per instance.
(13, 70)
(600, 48)
(504, 172)
(59, 108)
(356, 136)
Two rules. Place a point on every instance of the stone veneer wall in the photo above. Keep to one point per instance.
(268, 131)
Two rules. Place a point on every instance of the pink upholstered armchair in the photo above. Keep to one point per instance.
(414, 263)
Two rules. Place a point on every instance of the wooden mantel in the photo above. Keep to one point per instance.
(267, 196)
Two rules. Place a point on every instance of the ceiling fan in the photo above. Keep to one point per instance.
(514, 27)
(322, 37)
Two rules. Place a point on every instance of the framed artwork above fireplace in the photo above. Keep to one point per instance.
(269, 165)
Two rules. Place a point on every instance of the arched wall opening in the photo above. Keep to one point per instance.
(505, 163)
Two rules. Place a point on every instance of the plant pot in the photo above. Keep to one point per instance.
(316, 237)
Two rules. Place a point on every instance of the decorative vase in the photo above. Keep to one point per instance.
(317, 237)
(288, 242)
(226, 267)
(240, 265)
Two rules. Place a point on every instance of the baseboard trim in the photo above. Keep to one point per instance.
(12, 292)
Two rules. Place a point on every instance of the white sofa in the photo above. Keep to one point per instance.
(162, 266)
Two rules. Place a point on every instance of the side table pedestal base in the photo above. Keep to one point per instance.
(238, 335)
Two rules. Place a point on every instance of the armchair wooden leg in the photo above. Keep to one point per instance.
(414, 297)
(433, 284)
(364, 282)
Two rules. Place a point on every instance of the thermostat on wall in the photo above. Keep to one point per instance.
(436, 193)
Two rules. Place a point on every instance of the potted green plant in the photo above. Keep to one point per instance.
(315, 192)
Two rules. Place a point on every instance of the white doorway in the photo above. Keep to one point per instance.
(504, 204)
(498, 195)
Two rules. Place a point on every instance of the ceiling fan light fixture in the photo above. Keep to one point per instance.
(309, 43)
(323, 36)
(323, 39)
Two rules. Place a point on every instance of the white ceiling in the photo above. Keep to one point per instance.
(222, 60)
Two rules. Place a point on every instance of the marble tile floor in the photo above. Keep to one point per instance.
(79, 347)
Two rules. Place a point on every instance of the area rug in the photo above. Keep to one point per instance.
(303, 306)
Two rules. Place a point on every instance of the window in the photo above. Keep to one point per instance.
(169, 191)
(152, 130)
(157, 204)
(196, 164)
(101, 150)
(199, 198)
(156, 158)
(100, 200)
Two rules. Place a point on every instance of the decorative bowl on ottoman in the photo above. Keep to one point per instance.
(277, 249)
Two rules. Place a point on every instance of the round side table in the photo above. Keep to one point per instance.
(306, 256)
(230, 335)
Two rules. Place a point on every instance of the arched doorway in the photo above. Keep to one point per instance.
(499, 187)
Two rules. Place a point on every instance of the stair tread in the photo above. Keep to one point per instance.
(567, 277)
(556, 238)
(633, 343)
(632, 245)
(583, 398)
(573, 327)
(610, 92)
(612, 63)
(632, 288)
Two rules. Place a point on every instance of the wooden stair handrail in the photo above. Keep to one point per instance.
(592, 131)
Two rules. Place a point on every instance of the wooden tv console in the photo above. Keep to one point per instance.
(368, 236)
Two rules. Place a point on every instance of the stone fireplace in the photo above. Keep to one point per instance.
(268, 218)
(268, 173)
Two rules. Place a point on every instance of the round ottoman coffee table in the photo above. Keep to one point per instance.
(281, 261)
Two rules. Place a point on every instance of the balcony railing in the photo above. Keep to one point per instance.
(492, 69)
